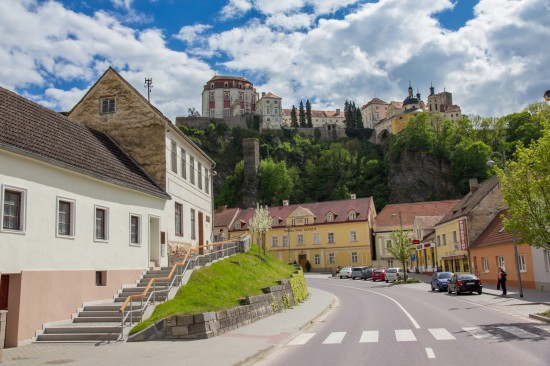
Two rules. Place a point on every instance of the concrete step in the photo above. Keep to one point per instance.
(83, 329)
(88, 314)
(108, 307)
(78, 337)
(101, 319)
(121, 298)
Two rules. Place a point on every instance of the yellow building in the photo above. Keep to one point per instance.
(325, 234)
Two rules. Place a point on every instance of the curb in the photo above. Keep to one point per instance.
(540, 317)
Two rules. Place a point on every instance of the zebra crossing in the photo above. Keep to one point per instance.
(508, 332)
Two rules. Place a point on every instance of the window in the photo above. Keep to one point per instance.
(522, 264)
(238, 225)
(212, 113)
(500, 262)
(275, 241)
(306, 220)
(108, 105)
(192, 169)
(199, 171)
(331, 238)
(206, 181)
(330, 217)
(457, 265)
(390, 263)
(174, 156)
(225, 84)
(101, 223)
(351, 216)
(285, 240)
(331, 258)
(275, 221)
(317, 259)
(226, 113)
(193, 230)
(485, 264)
(316, 238)
(353, 235)
(183, 159)
(455, 240)
(135, 229)
(438, 241)
(211, 97)
(179, 219)
(353, 257)
(292, 222)
(300, 239)
(226, 96)
(445, 240)
(65, 217)
(13, 213)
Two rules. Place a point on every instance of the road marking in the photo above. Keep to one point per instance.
(369, 336)
(430, 353)
(545, 328)
(404, 335)
(441, 334)
(335, 337)
(518, 332)
(301, 339)
(479, 333)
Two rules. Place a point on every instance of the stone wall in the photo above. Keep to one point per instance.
(211, 324)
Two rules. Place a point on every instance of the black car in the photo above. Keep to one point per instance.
(367, 273)
(464, 283)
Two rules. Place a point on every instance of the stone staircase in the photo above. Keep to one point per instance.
(102, 322)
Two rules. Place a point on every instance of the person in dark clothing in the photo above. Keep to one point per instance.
(502, 279)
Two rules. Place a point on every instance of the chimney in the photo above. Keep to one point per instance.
(353, 196)
(474, 185)
(285, 202)
(263, 94)
(337, 110)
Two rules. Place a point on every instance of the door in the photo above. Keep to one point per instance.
(154, 240)
(201, 232)
(302, 259)
(4, 290)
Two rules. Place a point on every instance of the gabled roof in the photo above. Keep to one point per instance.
(225, 77)
(224, 216)
(37, 132)
(494, 234)
(270, 95)
(374, 101)
(470, 200)
(427, 222)
(392, 216)
(319, 209)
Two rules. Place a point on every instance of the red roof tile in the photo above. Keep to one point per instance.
(494, 234)
(388, 218)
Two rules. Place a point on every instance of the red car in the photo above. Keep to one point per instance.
(378, 274)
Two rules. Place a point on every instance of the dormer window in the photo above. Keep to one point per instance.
(330, 217)
(238, 225)
(108, 105)
(275, 221)
(306, 220)
(293, 221)
(352, 215)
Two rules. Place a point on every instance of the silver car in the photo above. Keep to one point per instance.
(345, 272)
(394, 274)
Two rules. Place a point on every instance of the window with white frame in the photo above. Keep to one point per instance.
(485, 264)
(108, 105)
(274, 241)
(317, 259)
(353, 236)
(207, 181)
(183, 159)
(199, 177)
(522, 263)
(300, 239)
(306, 220)
(193, 228)
(192, 169)
(500, 262)
(390, 263)
(331, 258)
(293, 222)
(13, 209)
(285, 240)
(238, 225)
(212, 113)
(438, 240)
(135, 229)
(226, 113)
(353, 257)
(330, 217)
(65, 217)
(351, 215)
(178, 207)
(101, 223)
(331, 238)
(275, 221)
(316, 238)
(174, 156)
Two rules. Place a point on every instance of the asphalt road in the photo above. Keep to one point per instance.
(383, 324)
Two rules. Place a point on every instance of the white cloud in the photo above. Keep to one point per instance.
(190, 33)
(236, 8)
(290, 22)
(126, 4)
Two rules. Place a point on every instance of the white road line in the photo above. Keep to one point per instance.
(335, 337)
(369, 336)
(518, 332)
(404, 335)
(301, 339)
(479, 333)
(430, 353)
(441, 334)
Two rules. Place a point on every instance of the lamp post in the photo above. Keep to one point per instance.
(491, 163)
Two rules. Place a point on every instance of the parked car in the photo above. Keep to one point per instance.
(356, 272)
(367, 273)
(439, 280)
(345, 272)
(378, 274)
(464, 283)
(394, 274)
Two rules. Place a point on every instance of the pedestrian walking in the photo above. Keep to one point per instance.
(502, 280)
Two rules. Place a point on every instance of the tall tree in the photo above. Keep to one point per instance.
(260, 224)
(525, 183)
(308, 114)
(302, 115)
(400, 247)
(274, 181)
(293, 118)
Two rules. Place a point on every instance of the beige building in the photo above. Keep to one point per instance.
(228, 96)
(325, 120)
(271, 111)
(373, 112)
(443, 103)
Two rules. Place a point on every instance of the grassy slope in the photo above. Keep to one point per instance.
(220, 285)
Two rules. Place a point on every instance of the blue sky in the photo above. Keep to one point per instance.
(491, 54)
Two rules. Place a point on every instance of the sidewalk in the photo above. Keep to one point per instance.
(232, 348)
(532, 302)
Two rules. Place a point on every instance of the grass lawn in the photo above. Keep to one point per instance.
(220, 285)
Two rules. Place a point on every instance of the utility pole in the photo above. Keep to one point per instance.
(149, 86)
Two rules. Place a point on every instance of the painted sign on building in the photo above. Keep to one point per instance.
(463, 234)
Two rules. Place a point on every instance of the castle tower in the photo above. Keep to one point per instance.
(251, 157)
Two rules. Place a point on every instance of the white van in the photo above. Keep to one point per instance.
(395, 274)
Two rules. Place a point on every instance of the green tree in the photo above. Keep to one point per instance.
(302, 115)
(525, 184)
(309, 121)
(275, 182)
(231, 191)
(468, 160)
(293, 118)
(401, 248)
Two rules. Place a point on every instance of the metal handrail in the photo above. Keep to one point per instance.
(221, 249)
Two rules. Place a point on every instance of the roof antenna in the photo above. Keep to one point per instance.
(149, 86)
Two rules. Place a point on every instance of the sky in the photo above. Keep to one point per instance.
(492, 55)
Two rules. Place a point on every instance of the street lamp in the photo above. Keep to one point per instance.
(491, 163)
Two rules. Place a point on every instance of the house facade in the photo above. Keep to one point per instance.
(228, 96)
(79, 217)
(179, 166)
(271, 111)
(373, 112)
